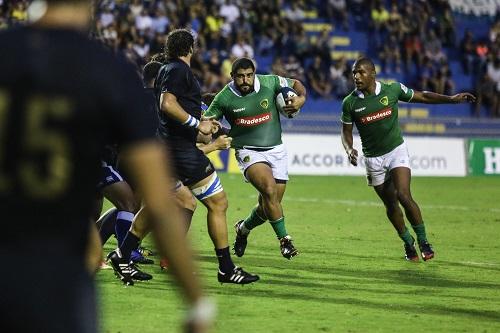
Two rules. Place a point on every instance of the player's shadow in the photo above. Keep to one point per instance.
(331, 298)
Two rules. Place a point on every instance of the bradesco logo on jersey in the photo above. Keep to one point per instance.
(254, 120)
(376, 116)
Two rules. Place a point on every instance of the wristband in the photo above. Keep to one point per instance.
(191, 122)
(203, 310)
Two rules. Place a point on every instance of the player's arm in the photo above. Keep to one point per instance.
(296, 101)
(346, 132)
(148, 165)
(170, 106)
(347, 142)
(222, 142)
(430, 97)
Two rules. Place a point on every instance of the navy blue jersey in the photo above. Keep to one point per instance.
(177, 78)
(62, 97)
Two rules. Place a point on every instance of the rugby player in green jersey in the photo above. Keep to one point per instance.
(373, 107)
(248, 104)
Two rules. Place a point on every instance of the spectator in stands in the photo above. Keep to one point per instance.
(445, 24)
(160, 21)
(336, 11)
(294, 13)
(380, 16)
(321, 47)
(467, 52)
(494, 31)
(338, 77)
(318, 80)
(390, 57)
(482, 52)
(19, 12)
(493, 75)
(278, 68)
(294, 68)
(426, 74)
(136, 7)
(229, 11)
(412, 50)
(301, 44)
(441, 82)
(433, 48)
(242, 48)
(107, 17)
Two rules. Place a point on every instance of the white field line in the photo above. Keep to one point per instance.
(379, 204)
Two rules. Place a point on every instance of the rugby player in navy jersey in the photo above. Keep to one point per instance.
(56, 113)
(180, 104)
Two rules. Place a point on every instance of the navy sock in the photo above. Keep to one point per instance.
(106, 224)
(123, 223)
(130, 243)
(226, 265)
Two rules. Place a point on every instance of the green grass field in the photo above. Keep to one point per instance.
(350, 275)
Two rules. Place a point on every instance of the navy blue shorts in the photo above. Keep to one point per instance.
(191, 165)
(109, 176)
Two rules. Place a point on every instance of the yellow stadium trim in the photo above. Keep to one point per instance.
(348, 55)
(340, 41)
(316, 27)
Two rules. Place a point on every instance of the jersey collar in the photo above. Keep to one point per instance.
(256, 86)
(378, 87)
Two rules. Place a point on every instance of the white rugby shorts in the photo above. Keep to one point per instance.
(276, 158)
(378, 168)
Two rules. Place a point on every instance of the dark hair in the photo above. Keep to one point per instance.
(207, 98)
(150, 71)
(242, 63)
(159, 57)
(365, 61)
(179, 43)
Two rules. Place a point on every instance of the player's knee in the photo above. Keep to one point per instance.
(269, 192)
(218, 204)
(404, 197)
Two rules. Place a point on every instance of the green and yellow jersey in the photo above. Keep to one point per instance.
(254, 119)
(376, 116)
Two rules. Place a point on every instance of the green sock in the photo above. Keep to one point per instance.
(420, 231)
(279, 227)
(253, 220)
(407, 237)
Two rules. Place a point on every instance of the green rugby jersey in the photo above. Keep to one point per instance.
(376, 116)
(254, 119)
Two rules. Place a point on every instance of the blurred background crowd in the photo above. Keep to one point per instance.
(415, 42)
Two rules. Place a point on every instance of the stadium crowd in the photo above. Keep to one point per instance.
(414, 38)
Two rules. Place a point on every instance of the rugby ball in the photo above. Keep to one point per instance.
(283, 94)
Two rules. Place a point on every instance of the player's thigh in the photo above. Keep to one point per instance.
(387, 193)
(121, 196)
(401, 177)
(185, 198)
(260, 175)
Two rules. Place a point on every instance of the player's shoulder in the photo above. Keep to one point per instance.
(350, 98)
(396, 86)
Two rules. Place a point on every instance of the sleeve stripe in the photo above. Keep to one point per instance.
(412, 93)
(345, 122)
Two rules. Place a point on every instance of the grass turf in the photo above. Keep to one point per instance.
(350, 275)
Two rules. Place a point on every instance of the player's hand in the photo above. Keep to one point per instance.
(352, 154)
(463, 97)
(293, 104)
(200, 317)
(223, 142)
(207, 127)
(216, 125)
